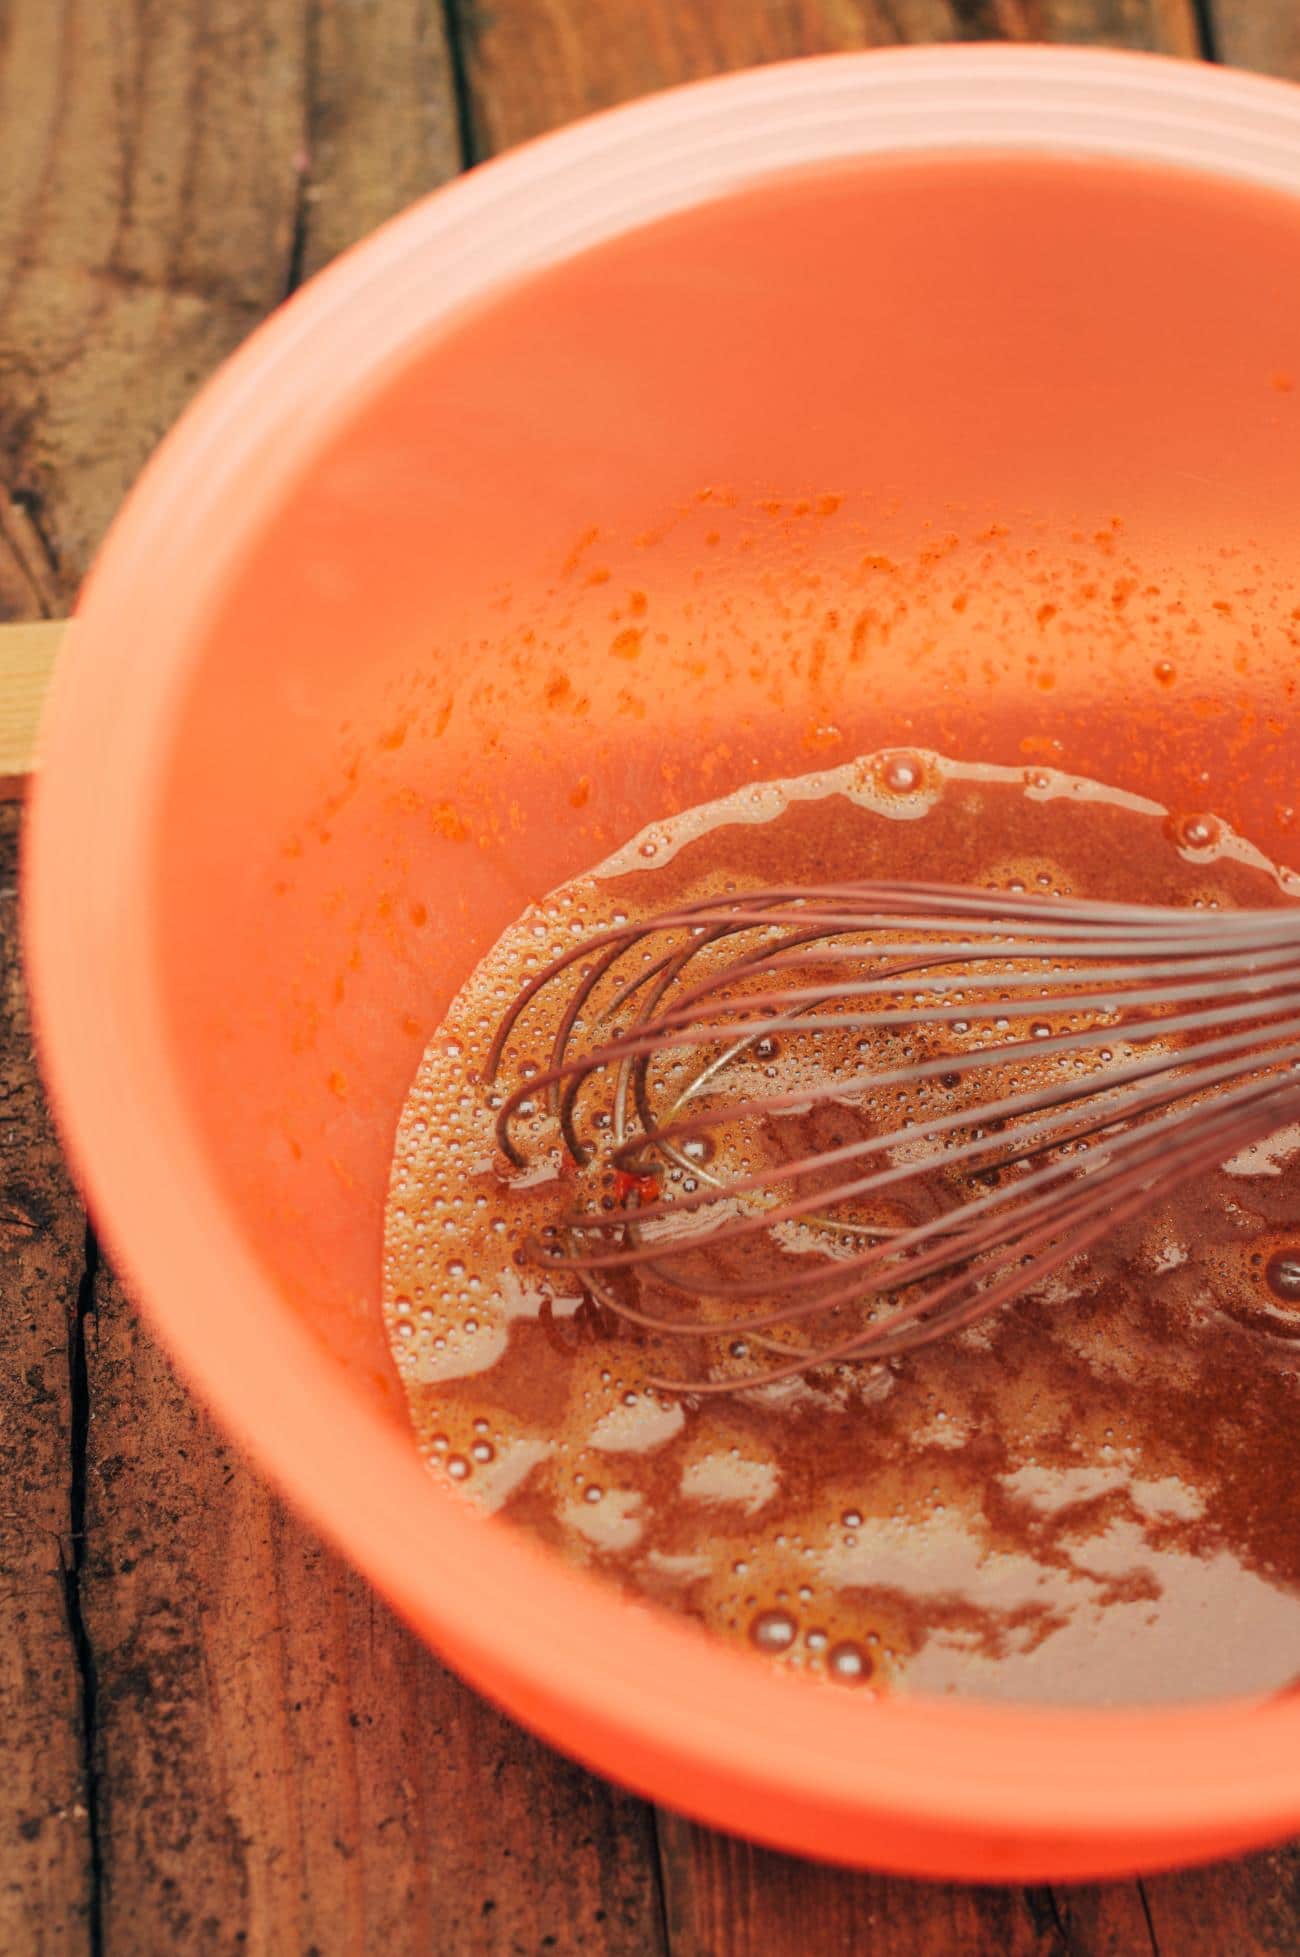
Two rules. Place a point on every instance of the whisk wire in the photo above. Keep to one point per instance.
(1183, 1046)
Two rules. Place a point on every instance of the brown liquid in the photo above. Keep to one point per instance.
(1093, 1495)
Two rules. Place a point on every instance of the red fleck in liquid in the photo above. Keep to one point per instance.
(625, 1187)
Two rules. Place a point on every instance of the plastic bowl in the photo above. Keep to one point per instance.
(482, 553)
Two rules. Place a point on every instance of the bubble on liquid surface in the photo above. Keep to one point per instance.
(773, 1630)
(902, 773)
(1282, 1275)
(848, 1662)
(1198, 832)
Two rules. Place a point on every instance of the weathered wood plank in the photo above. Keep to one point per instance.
(382, 123)
(534, 64)
(282, 1766)
(45, 1840)
(1251, 1907)
(147, 220)
(147, 212)
(170, 172)
(726, 1898)
(1261, 34)
(279, 1765)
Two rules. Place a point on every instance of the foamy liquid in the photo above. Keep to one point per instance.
(1092, 1496)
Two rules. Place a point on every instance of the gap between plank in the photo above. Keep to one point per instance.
(457, 18)
(83, 1307)
(1207, 33)
(304, 161)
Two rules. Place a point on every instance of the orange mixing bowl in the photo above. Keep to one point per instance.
(945, 396)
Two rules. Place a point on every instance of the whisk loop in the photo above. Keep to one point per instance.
(832, 1123)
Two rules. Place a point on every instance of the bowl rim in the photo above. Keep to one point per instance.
(657, 1705)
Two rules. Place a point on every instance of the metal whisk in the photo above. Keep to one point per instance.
(832, 1123)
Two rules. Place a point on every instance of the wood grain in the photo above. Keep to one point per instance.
(534, 64)
(1251, 1906)
(45, 1843)
(382, 125)
(28, 580)
(170, 170)
(729, 1899)
(282, 1767)
(147, 220)
(1251, 35)
(725, 1898)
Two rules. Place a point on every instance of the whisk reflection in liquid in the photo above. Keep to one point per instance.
(836, 1122)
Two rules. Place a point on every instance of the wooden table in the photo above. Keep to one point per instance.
(213, 1737)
